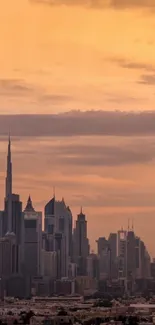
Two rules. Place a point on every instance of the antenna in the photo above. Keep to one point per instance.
(54, 192)
(132, 224)
(128, 224)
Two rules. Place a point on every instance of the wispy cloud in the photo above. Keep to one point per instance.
(132, 65)
(100, 3)
(16, 88)
(147, 79)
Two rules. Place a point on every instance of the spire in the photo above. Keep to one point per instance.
(81, 212)
(29, 205)
(8, 187)
(54, 192)
(9, 171)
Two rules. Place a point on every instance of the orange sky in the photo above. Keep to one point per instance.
(59, 58)
(78, 53)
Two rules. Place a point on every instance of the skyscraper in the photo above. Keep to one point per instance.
(33, 240)
(122, 254)
(101, 245)
(49, 224)
(81, 244)
(49, 220)
(131, 254)
(63, 235)
(12, 216)
(112, 245)
(7, 223)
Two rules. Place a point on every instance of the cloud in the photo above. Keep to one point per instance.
(19, 88)
(127, 64)
(99, 154)
(100, 3)
(78, 123)
(133, 3)
(147, 79)
(49, 98)
(15, 87)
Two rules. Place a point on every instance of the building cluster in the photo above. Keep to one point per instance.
(57, 260)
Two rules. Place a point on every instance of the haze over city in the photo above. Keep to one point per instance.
(59, 62)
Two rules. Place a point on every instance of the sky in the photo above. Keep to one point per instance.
(77, 92)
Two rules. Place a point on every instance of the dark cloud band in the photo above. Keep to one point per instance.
(78, 123)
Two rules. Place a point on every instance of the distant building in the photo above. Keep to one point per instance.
(93, 266)
(1, 223)
(138, 258)
(122, 255)
(33, 240)
(72, 271)
(9, 264)
(49, 221)
(112, 245)
(64, 286)
(50, 264)
(131, 254)
(85, 285)
(49, 224)
(101, 245)
(12, 217)
(58, 233)
(81, 244)
(104, 264)
(63, 237)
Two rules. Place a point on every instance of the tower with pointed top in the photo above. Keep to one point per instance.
(8, 187)
(12, 216)
(81, 243)
(32, 240)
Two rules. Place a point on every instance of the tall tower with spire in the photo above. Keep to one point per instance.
(81, 243)
(13, 220)
(8, 188)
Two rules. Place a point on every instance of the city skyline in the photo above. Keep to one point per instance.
(65, 59)
(9, 180)
(60, 253)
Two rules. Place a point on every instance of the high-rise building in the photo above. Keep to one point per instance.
(58, 233)
(63, 236)
(138, 258)
(104, 264)
(49, 225)
(16, 216)
(81, 244)
(33, 240)
(12, 216)
(131, 254)
(1, 223)
(93, 266)
(112, 245)
(49, 221)
(101, 245)
(8, 256)
(50, 264)
(122, 254)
